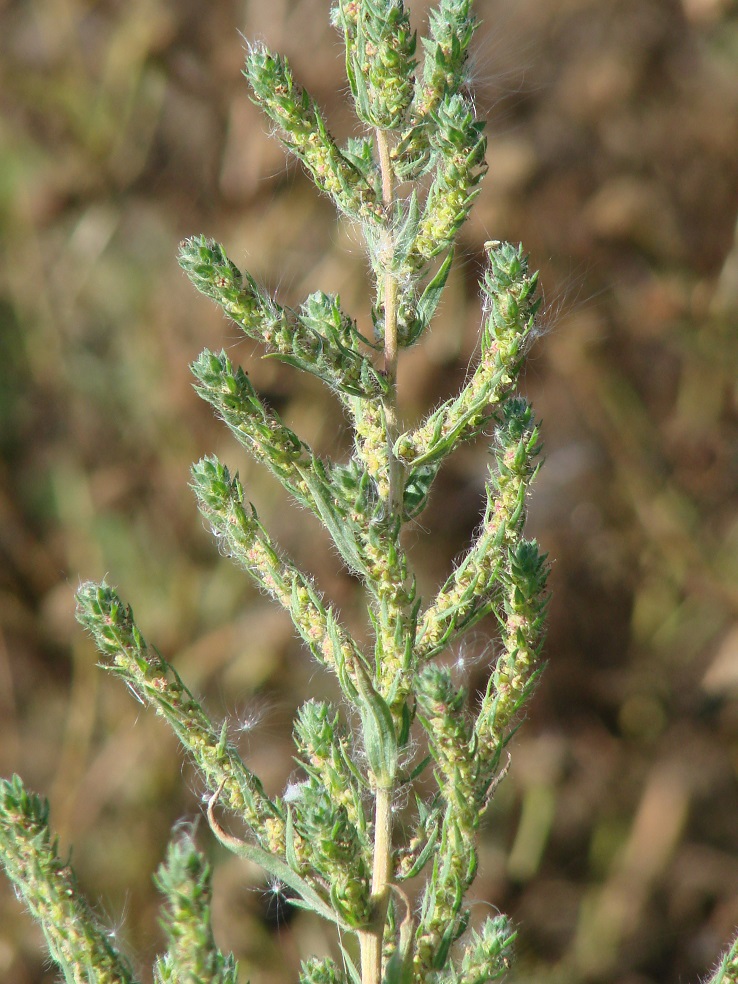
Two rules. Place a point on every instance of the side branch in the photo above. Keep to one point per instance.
(129, 656)
(76, 939)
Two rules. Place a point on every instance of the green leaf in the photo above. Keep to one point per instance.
(308, 897)
(429, 299)
(400, 965)
(341, 529)
(407, 218)
(289, 837)
(351, 765)
(424, 855)
(417, 489)
(349, 965)
(380, 740)
(419, 769)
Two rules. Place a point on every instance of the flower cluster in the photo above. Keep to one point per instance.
(333, 838)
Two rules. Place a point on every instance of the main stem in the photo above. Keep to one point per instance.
(370, 940)
(390, 325)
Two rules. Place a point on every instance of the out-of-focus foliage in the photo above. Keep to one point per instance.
(612, 149)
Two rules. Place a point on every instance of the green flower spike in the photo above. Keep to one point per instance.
(185, 882)
(303, 131)
(155, 682)
(76, 939)
(395, 773)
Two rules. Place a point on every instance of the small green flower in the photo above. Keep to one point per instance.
(234, 521)
(314, 971)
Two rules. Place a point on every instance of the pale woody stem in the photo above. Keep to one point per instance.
(370, 941)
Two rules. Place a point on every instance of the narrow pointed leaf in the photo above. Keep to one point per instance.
(274, 866)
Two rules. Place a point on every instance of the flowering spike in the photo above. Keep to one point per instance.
(318, 338)
(128, 655)
(77, 940)
(379, 59)
(407, 185)
(185, 881)
(304, 132)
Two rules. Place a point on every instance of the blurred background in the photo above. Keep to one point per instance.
(613, 150)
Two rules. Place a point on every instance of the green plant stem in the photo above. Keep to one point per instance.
(370, 940)
(390, 326)
(390, 281)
